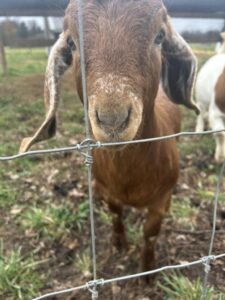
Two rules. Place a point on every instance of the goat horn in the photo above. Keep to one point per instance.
(59, 61)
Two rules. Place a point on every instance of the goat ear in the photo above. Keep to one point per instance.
(59, 61)
(178, 69)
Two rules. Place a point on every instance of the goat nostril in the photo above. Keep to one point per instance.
(97, 117)
(115, 119)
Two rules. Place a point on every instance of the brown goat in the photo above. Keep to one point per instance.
(129, 46)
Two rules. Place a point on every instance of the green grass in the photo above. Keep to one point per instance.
(55, 221)
(176, 287)
(83, 263)
(205, 144)
(19, 279)
(203, 47)
(25, 61)
(134, 232)
(210, 195)
(7, 196)
(183, 212)
(104, 217)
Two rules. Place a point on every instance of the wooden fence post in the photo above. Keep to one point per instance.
(47, 32)
(3, 62)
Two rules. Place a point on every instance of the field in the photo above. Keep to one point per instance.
(44, 224)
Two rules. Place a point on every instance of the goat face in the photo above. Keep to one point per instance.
(121, 44)
(129, 45)
(123, 50)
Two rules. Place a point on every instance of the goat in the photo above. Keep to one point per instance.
(129, 47)
(220, 46)
(210, 96)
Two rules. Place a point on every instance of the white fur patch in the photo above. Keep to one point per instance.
(205, 97)
(113, 84)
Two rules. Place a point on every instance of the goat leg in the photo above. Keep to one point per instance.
(151, 230)
(119, 237)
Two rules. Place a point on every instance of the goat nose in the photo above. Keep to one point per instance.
(115, 120)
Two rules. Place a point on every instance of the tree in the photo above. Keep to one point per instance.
(23, 31)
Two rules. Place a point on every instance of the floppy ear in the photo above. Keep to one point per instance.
(178, 69)
(59, 61)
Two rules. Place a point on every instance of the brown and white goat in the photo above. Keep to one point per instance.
(210, 96)
(129, 47)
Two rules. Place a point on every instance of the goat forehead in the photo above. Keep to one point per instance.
(115, 8)
(120, 5)
(111, 84)
(119, 26)
(123, 12)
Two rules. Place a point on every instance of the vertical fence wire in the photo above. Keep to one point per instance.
(215, 209)
(89, 150)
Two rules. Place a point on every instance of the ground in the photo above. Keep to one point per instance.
(44, 225)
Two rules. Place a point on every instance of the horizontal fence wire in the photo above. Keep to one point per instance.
(92, 144)
(102, 282)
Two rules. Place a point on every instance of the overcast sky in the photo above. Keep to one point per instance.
(180, 24)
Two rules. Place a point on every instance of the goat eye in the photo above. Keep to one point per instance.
(71, 43)
(160, 37)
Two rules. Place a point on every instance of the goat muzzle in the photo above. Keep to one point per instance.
(113, 122)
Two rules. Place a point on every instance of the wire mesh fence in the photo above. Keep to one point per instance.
(85, 148)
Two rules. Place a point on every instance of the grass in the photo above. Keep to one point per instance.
(7, 197)
(210, 195)
(204, 47)
(104, 217)
(19, 279)
(83, 263)
(25, 61)
(55, 221)
(134, 231)
(176, 287)
(183, 212)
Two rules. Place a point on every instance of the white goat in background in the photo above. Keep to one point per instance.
(210, 97)
(220, 46)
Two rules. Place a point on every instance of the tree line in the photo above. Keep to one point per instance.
(12, 29)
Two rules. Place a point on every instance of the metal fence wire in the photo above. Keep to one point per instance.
(85, 148)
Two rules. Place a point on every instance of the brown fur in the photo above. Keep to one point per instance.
(142, 176)
(220, 92)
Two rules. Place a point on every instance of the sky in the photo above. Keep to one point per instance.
(180, 24)
(198, 24)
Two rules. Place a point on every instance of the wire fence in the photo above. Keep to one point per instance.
(85, 148)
